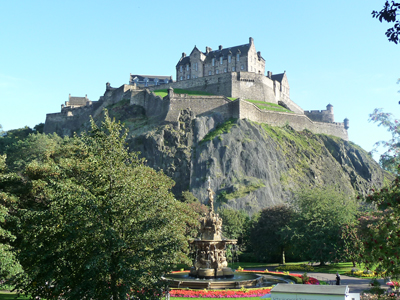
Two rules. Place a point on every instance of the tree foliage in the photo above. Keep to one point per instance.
(315, 226)
(97, 223)
(267, 237)
(389, 14)
(234, 223)
(381, 236)
(390, 159)
(9, 265)
(351, 245)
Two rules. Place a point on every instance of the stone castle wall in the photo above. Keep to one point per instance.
(299, 122)
(217, 84)
(169, 108)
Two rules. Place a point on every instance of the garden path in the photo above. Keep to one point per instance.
(356, 285)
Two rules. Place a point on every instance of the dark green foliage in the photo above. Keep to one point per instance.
(234, 223)
(269, 241)
(13, 136)
(319, 215)
(97, 223)
(9, 265)
(389, 13)
(381, 232)
(36, 147)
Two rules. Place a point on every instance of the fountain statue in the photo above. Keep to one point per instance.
(210, 250)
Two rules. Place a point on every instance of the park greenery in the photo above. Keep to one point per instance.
(92, 221)
(83, 217)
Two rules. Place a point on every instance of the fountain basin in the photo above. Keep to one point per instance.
(239, 280)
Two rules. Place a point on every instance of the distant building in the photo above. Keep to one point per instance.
(243, 58)
(74, 102)
(148, 80)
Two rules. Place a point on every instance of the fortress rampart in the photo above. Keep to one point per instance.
(168, 109)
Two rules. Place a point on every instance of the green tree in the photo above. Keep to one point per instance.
(9, 265)
(97, 223)
(390, 159)
(268, 241)
(381, 236)
(36, 146)
(389, 14)
(234, 222)
(319, 214)
(351, 244)
(12, 136)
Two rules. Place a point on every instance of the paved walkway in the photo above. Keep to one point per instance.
(356, 285)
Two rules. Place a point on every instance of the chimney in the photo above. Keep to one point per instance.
(269, 74)
(183, 54)
(220, 47)
(259, 54)
(251, 41)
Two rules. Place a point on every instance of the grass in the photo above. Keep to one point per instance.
(269, 106)
(220, 129)
(164, 92)
(8, 296)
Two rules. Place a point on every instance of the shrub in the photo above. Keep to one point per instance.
(302, 267)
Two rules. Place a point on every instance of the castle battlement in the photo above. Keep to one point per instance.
(235, 72)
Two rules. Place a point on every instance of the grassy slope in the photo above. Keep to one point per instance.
(164, 92)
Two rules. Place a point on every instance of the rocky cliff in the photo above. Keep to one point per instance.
(251, 165)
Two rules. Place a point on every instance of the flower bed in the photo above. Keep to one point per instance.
(220, 293)
(239, 293)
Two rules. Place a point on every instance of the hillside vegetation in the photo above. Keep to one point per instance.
(251, 165)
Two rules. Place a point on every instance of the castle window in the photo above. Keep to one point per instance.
(241, 67)
(229, 58)
(225, 70)
(217, 72)
(233, 69)
(181, 78)
(180, 69)
(209, 72)
(213, 62)
(187, 67)
(220, 60)
(188, 77)
(237, 57)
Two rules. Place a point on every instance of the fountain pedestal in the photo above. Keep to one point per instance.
(210, 251)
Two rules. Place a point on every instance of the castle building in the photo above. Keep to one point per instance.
(74, 102)
(148, 80)
(243, 58)
(235, 85)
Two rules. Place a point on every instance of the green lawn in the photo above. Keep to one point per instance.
(164, 92)
(268, 106)
(8, 296)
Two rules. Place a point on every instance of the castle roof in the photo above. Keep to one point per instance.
(278, 77)
(224, 52)
(142, 77)
(77, 100)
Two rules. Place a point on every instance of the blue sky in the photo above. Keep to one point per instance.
(332, 51)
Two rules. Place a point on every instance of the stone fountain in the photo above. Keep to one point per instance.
(210, 250)
(210, 265)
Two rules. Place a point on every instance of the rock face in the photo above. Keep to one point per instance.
(252, 165)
